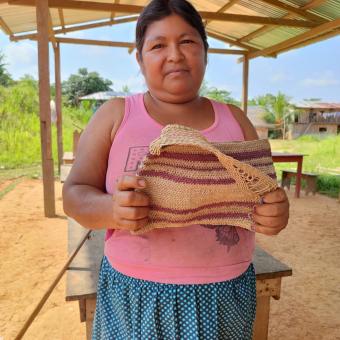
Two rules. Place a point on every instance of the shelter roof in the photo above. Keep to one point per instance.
(104, 95)
(259, 27)
(317, 105)
(256, 115)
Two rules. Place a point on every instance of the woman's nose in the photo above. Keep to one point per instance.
(175, 53)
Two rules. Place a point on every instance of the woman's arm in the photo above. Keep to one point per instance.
(271, 216)
(84, 195)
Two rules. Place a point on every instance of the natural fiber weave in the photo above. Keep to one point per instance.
(192, 181)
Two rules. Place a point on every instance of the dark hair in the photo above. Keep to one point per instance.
(159, 9)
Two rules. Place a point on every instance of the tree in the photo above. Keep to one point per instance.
(5, 78)
(82, 84)
(278, 110)
(125, 89)
(223, 96)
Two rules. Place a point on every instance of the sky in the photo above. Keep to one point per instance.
(308, 72)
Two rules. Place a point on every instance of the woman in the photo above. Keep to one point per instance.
(171, 283)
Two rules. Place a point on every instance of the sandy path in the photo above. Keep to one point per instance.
(33, 249)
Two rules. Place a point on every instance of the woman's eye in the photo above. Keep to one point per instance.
(187, 41)
(157, 46)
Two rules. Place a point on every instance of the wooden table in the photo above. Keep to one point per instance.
(280, 157)
(82, 277)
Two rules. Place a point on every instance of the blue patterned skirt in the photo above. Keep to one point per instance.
(129, 308)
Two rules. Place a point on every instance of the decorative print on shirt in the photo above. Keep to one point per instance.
(225, 234)
(135, 157)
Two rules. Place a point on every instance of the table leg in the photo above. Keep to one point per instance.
(90, 309)
(262, 318)
(298, 178)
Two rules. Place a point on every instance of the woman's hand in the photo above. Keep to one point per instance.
(130, 207)
(271, 216)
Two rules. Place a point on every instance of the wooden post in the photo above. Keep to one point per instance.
(245, 84)
(262, 318)
(58, 105)
(44, 107)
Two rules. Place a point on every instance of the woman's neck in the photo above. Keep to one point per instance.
(195, 113)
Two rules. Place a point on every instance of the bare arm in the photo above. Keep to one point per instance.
(84, 195)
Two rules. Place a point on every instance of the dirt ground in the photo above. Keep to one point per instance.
(33, 250)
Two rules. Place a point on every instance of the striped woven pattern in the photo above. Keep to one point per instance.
(192, 181)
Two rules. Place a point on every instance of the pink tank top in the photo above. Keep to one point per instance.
(193, 254)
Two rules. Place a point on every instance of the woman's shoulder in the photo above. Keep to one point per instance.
(110, 115)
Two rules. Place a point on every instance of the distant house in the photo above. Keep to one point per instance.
(98, 98)
(311, 117)
(256, 114)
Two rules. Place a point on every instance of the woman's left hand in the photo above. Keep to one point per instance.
(271, 216)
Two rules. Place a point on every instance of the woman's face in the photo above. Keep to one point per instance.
(173, 60)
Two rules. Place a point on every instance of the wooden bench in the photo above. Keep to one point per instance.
(68, 158)
(310, 179)
(82, 276)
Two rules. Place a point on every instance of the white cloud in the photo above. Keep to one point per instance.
(135, 83)
(279, 77)
(22, 59)
(322, 80)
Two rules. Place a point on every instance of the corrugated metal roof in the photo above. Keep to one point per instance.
(316, 105)
(16, 20)
(104, 95)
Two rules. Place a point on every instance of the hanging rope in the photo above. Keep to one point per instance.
(50, 289)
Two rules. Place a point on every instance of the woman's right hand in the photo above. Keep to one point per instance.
(130, 207)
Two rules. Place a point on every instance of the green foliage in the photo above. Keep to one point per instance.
(18, 99)
(126, 89)
(223, 96)
(278, 110)
(322, 154)
(20, 125)
(82, 84)
(329, 184)
(5, 78)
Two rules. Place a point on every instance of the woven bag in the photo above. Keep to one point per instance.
(192, 181)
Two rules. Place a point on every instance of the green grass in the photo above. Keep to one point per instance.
(322, 157)
(20, 126)
(20, 153)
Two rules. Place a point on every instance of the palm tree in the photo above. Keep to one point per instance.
(278, 110)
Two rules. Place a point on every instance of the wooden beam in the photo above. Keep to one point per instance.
(224, 8)
(50, 30)
(313, 40)
(113, 13)
(226, 51)
(251, 19)
(294, 10)
(78, 28)
(95, 42)
(227, 40)
(131, 45)
(314, 4)
(107, 7)
(83, 5)
(44, 106)
(322, 29)
(58, 105)
(245, 84)
(61, 18)
(268, 28)
(5, 27)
